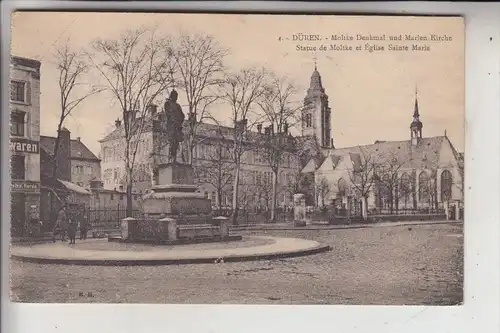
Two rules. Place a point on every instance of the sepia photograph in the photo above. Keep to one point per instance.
(170, 158)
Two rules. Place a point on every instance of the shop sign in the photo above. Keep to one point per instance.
(24, 146)
(25, 186)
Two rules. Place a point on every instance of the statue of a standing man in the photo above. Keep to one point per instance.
(174, 121)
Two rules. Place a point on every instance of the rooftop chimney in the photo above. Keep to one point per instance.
(78, 139)
(118, 123)
(259, 128)
(241, 125)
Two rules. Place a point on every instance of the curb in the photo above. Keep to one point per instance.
(327, 227)
(163, 262)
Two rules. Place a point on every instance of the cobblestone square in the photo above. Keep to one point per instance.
(410, 265)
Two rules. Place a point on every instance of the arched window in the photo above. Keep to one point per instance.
(424, 187)
(446, 183)
(386, 188)
(405, 189)
(342, 186)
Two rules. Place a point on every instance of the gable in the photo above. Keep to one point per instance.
(78, 148)
(310, 166)
(448, 156)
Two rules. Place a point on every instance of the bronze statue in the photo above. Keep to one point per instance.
(174, 121)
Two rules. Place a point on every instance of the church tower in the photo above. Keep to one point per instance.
(416, 125)
(316, 114)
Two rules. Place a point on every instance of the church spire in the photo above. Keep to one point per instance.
(416, 114)
(316, 84)
(416, 125)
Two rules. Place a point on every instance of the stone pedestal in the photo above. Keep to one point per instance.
(223, 223)
(176, 174)
(177, 196)
(170, 225)
(299, 210)
(174, 213)
(128, 227)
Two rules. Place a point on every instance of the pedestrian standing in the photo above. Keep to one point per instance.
(83, 228)
(72, 225)
(60, 227)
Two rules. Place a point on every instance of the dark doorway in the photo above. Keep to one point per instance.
(18, 214)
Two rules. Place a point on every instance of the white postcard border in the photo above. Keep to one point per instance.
(482, 215)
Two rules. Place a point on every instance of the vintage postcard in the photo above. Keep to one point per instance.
(230, 158)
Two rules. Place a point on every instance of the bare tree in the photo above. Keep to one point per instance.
(295, 184)
(279, 113)
(241, 91)
(361, 176)
(215, 166)
(405, 189)
(264, 188)
(198, 59)
(72, 68)
(388, 168)
(136, 72)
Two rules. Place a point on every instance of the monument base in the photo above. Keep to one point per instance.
(175, 212)
(230, 238)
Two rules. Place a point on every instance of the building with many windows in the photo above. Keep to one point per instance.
(214, 170)
(84, 166)
(24, 110)
(420, 173)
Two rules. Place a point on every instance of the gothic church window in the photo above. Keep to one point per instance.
(341, 187)
(405, 189)
(424, 187)
(446, 183)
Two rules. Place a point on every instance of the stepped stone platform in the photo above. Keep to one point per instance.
(99, 252)
(175, 213)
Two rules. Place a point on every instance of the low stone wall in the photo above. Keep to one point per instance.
(168, 229)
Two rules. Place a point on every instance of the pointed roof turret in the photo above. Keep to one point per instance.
(316, 83)
(416, 123)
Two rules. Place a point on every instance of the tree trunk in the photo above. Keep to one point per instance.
(190, 148)
(274, 197)
(236, 184)
(56, 150)
(364, 208)
(129, 199)
(219, 201)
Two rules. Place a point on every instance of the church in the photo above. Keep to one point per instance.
(419, 174)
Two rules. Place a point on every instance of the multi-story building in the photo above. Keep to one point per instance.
(418, 173)
(213, 166)
(429, 171)
(84, 165)
(24, 110)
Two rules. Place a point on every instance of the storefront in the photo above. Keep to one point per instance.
(25, 186)
(25, 206)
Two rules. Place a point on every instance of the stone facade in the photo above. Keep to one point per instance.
(76, 163)
(24, 110)
(255, 174)
(421, 173)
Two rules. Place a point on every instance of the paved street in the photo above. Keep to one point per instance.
(386, 265)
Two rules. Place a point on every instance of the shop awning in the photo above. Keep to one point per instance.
(73, 187)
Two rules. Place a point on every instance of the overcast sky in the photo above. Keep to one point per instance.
(371, 94)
